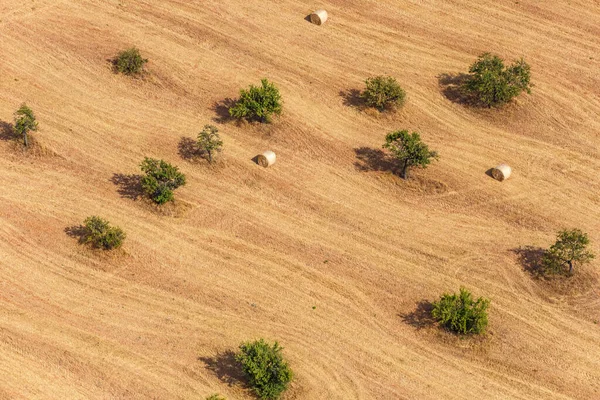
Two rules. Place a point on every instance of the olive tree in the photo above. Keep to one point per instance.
(100, 234)
(25, 122)
(569, 250)
(160, 180)
(258, 103)
(460, 313)
(409, 150)
(383, 92)
(263, 364)
(491, 83)
(209, 142)
(130, 62)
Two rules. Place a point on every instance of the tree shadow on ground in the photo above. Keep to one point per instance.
(530, 258)
(374, 160)
(451, 88)
(188, 149)
(221, 108)
(351, 98)
(7, 131)
(77, 232)
(225, 367)
(129, 186)
(421, 317)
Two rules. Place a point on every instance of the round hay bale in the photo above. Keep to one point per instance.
(501, 172)
(266, 159)
(318, 17)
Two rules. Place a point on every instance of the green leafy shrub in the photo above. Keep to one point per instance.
(569, 250)
(130, 62)
(460, 313)
(160, 180)
(258, 103)
(25, 122)
(100, 234)
(383, 92)
(209, 141)
(493, 84)
(263, 365)
(409, 150)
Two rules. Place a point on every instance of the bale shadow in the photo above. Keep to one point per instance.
(351, 98)
(374, 160)
(188, 149)
(78, 232)
(225, 367)
(421, 317)
(221, 108)
(130, 186)
(530, 258)
(7, 131)
(307, 18)
(451, 88)
(489, 173)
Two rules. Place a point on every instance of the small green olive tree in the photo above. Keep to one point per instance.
(130, 62)
(209, 142)
(258, 103)
(100, 234)
(409, 150)
(25, 122)
(493, 84)
(383, 92)
(160, 180)
(569, 250)
(460, 313)
(264, 366)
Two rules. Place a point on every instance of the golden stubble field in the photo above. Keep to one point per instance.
(326, 252)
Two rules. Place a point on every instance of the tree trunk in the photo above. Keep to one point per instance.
(404, 173)
(209, 157)
(25, 141)
(570, 267)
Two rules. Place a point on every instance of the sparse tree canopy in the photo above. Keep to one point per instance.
(409, 150)
(493, 84)
(258, 103)
(383, 92)
(130, 62)
(209, 141)
(263, 365)
(100, 234)
(160, 180)
(569, 251)
(25, 122)
(460, 313)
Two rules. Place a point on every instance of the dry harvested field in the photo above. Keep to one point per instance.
(327, 251)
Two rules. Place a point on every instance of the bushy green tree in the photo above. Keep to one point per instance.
(130, 62)
(25, 122)
(383, 92)
(569, 250)
(100, 234)
(209, 141)
(160, 180)
(409, 150)
(460, 313)
(263, 365)
(258, 103)
(493, 84)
